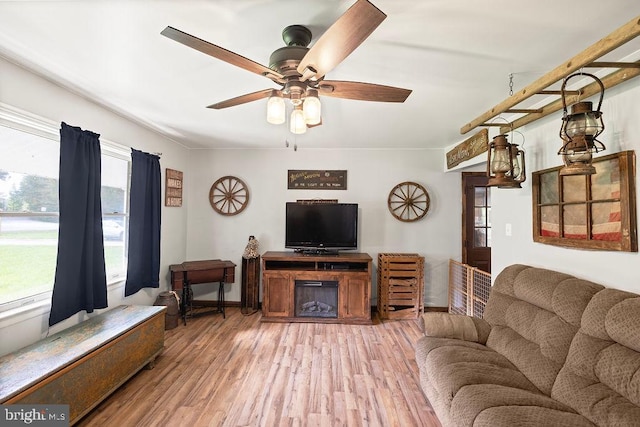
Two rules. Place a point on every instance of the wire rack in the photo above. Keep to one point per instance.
(468, 289)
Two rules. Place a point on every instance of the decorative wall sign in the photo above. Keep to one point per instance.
(317, 179)
(317, 201)
(173, 188)
(588, 211)
(468, 149)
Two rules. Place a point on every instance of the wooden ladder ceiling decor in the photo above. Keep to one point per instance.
(586, 58)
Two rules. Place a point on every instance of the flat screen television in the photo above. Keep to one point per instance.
(321, 227)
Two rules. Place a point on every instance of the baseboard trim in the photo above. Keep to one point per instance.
(374, 309)
(438, 309)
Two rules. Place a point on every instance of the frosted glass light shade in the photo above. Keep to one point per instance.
(312, 109)
(298, 124)
(276, 110)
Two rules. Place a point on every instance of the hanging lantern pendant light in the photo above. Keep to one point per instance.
(579, 131)
(505, 164)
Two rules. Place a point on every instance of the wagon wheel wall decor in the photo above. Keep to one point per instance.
(408, 201)
(229, 195)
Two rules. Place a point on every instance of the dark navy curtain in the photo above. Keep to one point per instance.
(80, 281)
(143, 269)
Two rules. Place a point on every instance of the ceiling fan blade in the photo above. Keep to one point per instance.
(342, 38)
(221, 53)
(242, 99)
(362, 91)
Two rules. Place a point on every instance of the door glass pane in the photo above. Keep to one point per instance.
(480, 216)
(488, 196)
(480, 196)
(480, 237)
(488, 237)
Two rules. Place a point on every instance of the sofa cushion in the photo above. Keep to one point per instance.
(432, 351)
(534, 314)
(458, 326)
(452, 367)
(594, 317)
(425, 345)
(621, 323)
(528, 416)
(601, 377)
(556, 292)
(496, 405)
(437, 398)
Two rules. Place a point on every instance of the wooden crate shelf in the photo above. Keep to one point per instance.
(400, 285)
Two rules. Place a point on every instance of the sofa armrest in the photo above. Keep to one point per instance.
(456, 326)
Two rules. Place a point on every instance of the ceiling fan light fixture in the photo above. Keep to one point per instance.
(276, 109)
(300, 70)
(297, 125)
(312, 108)
(309, 73)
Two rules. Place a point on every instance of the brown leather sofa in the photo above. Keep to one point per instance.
(551, 350)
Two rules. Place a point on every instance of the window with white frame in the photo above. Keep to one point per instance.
(29, 162)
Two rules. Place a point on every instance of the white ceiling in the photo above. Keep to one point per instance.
(456, 56)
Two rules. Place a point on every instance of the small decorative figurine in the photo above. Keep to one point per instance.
(251, 251)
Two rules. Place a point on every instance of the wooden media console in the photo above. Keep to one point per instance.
(348, 275)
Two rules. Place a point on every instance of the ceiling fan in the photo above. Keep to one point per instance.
(300, 70)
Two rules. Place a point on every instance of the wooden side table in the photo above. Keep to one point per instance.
(250, 292)
(207, 271)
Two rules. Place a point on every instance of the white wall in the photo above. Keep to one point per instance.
(371, 174)
(26, 91)
(195, 231)
(621, 114)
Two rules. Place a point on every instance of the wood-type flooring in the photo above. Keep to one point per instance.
(239, 371)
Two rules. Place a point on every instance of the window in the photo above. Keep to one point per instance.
(482, 217)
(115, 199)
(29, 161)
(588, 211)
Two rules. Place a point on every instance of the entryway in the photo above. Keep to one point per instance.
(476, 221)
